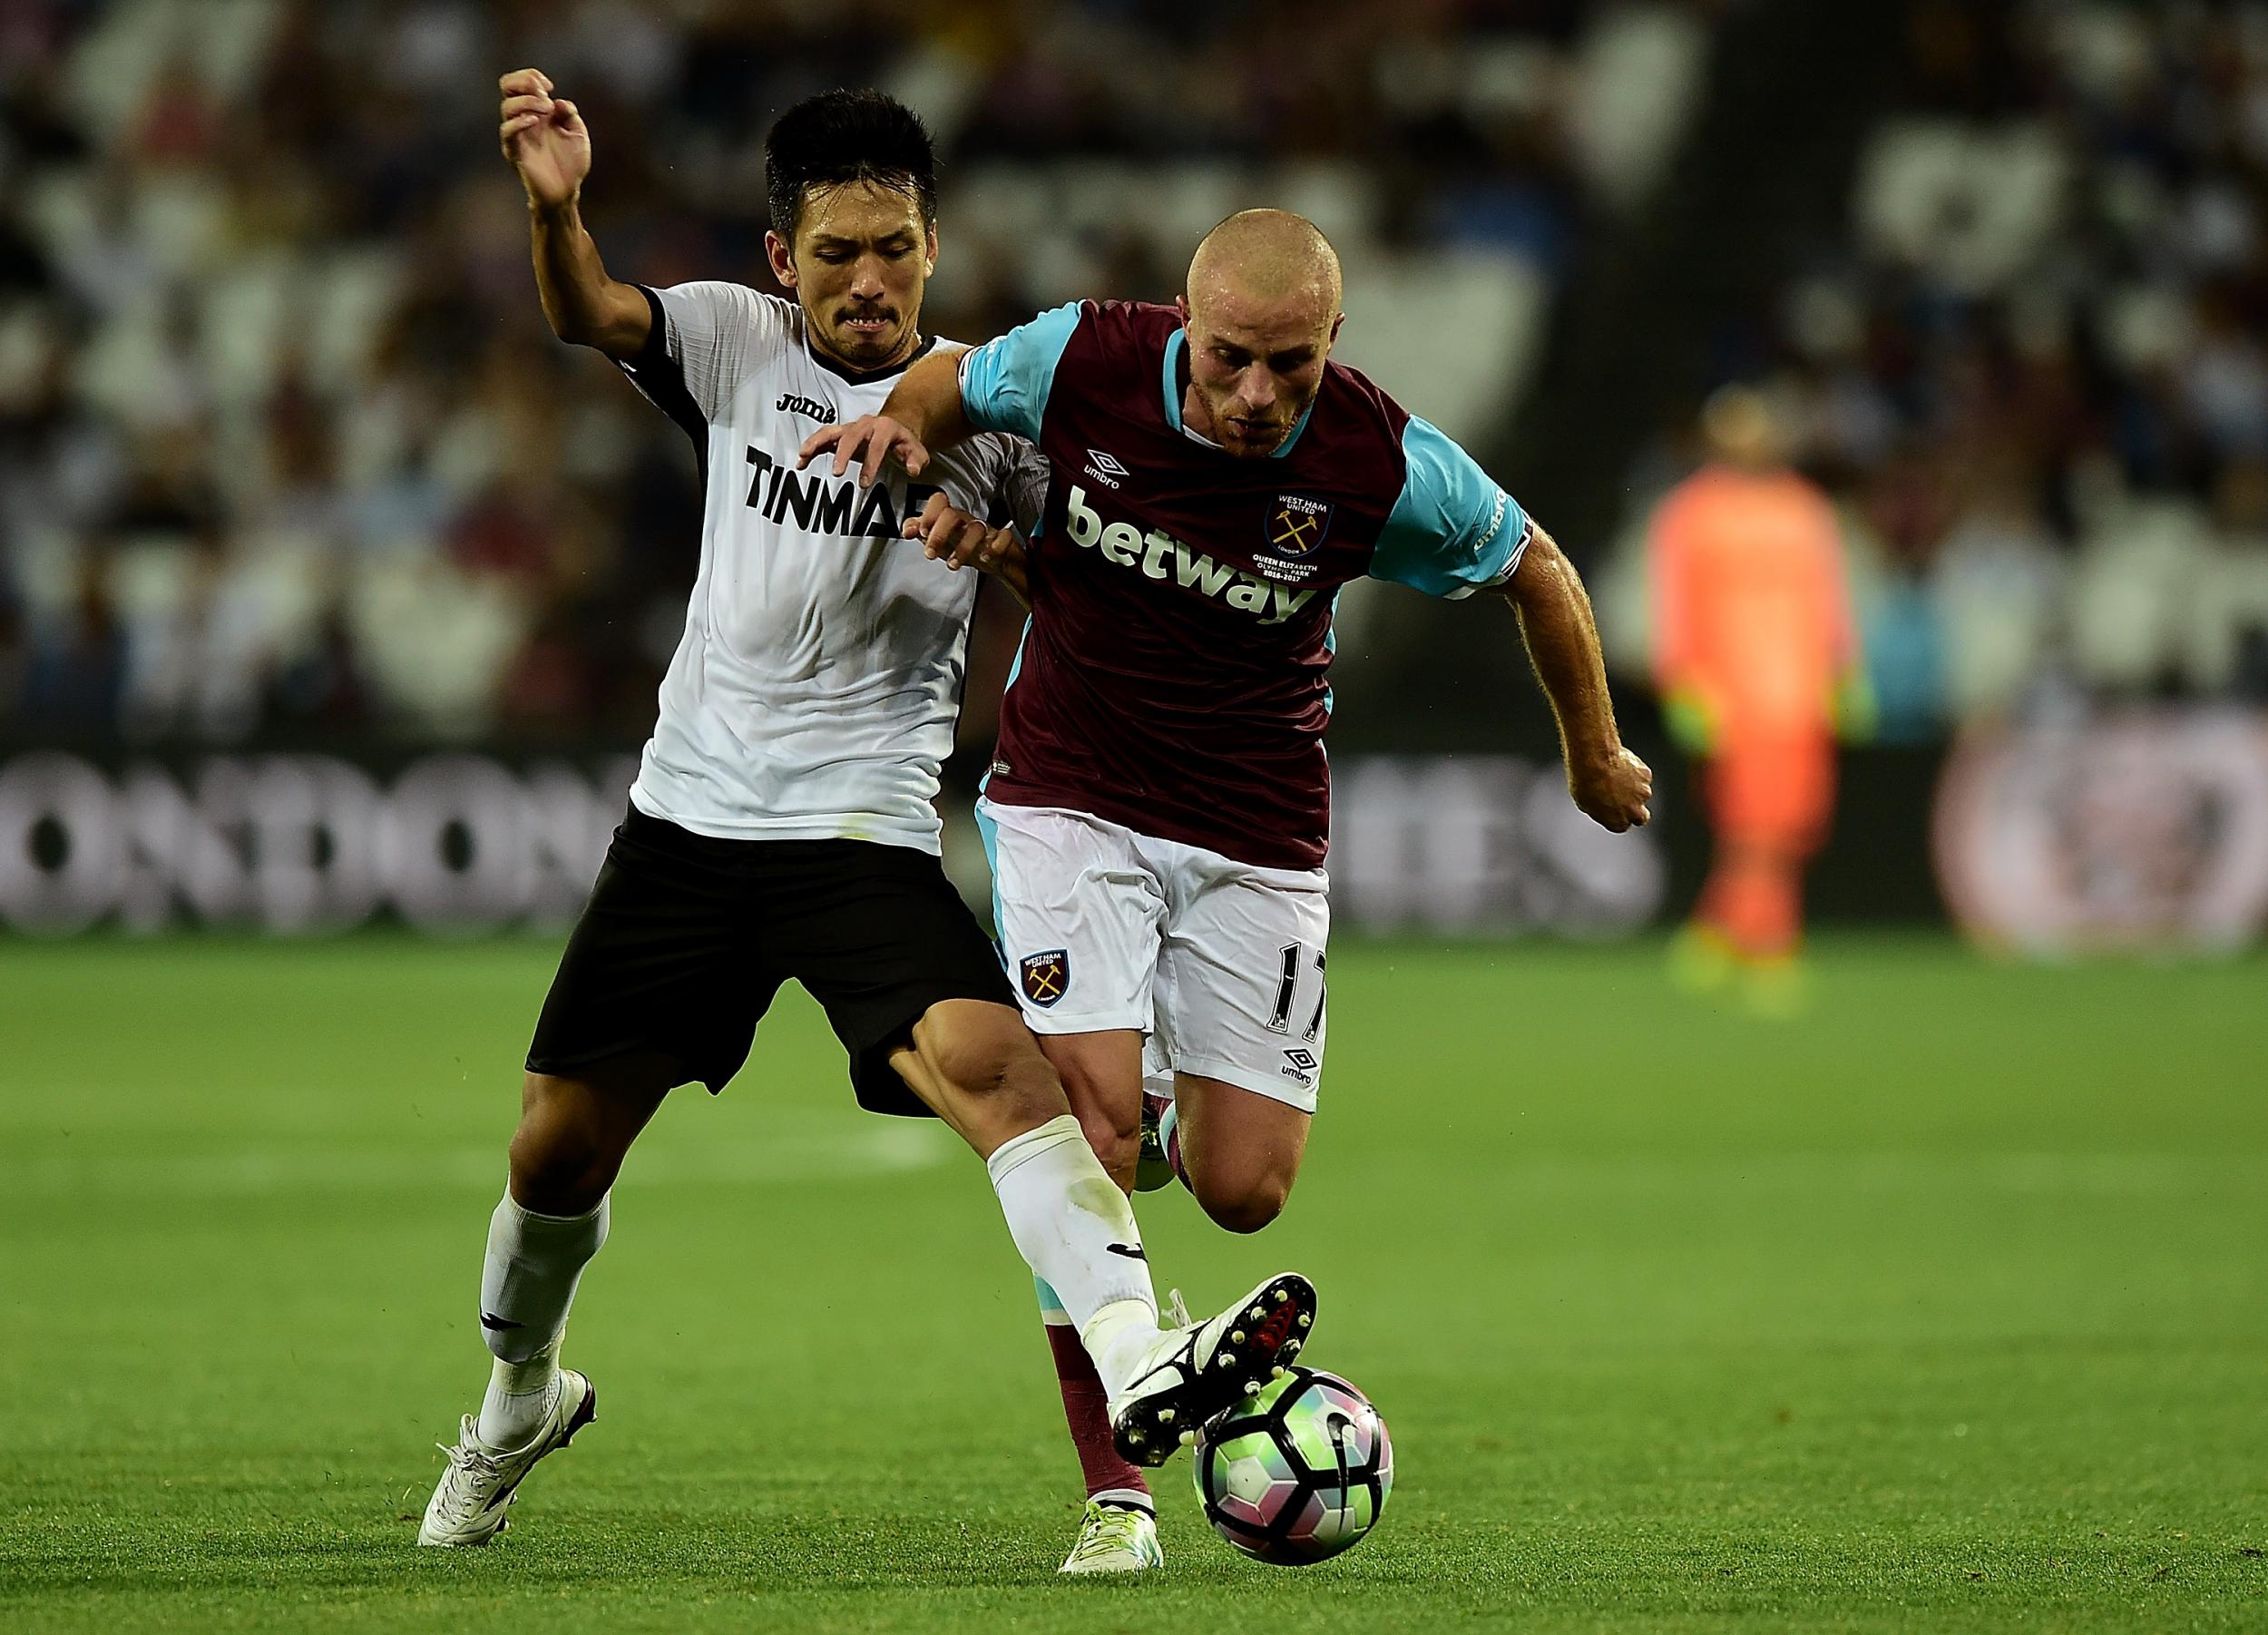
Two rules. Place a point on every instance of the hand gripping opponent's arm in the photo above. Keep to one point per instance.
(924, 413)
(951, 535)
(1000, 386)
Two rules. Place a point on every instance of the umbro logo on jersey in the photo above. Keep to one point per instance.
(1160, 556)
(810, 407)
(1105, 468)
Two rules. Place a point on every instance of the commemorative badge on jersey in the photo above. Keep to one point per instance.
(1046, 976)
(1295, 526)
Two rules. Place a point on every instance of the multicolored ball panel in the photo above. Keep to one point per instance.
(1298, 1472)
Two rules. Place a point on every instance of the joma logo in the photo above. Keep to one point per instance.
(810, 407)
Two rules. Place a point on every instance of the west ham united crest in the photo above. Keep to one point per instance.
(1046, 976)
(1296, 525)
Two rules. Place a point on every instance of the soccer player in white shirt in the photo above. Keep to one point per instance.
(781, 827)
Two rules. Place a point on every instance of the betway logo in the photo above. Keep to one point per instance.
(1162, 557)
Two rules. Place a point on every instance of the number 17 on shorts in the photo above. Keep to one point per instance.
(1220, 963)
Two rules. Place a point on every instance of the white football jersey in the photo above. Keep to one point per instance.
(814, 693)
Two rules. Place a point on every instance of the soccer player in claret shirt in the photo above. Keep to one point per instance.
(1159, 809)
(781, 825)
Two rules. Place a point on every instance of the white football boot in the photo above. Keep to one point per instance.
(468, 1506)
(1114, 1538)
(1196, 1369)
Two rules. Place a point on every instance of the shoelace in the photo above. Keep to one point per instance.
(457, 1496)
(1178, 1309)
(1108, 1529)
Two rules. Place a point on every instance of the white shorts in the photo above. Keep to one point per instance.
(1220, 964)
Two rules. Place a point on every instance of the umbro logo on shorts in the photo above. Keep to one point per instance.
(1046, 976)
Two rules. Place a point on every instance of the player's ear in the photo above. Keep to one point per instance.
(777, 251)
(930, 239)
(1336, 319)
(1181, 305)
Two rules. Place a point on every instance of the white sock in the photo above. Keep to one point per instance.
(521, 1396)
(527, 1283)
(1066, 1215)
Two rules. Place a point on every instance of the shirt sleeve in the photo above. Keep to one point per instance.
(1028, 472)
(707, 338)
(1453, 531)
(1005, 383)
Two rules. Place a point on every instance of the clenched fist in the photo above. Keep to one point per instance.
(545, 138)
(1613, 791)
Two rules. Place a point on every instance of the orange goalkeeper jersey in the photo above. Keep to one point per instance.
(1750, 609)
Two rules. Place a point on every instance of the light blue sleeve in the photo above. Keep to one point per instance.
(1453, 531)
(1004, 383)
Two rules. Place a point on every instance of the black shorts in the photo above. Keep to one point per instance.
(687, 938)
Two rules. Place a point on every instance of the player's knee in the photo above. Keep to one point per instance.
(1118, 1146)
(560, 1164)
(1248, 1206)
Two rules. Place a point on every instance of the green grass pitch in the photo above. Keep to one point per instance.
(1944, 1308)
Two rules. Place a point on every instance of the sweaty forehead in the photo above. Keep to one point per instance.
(860, 211)
(1257, 323)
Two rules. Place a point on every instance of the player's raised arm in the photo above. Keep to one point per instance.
(547, 142)
(1611, 785)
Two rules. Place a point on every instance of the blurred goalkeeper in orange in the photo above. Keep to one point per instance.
(1758, 669)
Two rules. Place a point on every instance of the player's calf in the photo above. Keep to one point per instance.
(1102, 1080)
(974, 1063)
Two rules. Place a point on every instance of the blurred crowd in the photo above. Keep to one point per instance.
(285, 446)
(286, 449)
(2033, 371)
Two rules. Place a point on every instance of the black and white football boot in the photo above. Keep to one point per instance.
(1198, 1369)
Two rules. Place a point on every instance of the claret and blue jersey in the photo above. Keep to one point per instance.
(1173, 676)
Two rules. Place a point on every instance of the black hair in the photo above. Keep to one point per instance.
(844, 136)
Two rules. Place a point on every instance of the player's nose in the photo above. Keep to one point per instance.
(866, 279)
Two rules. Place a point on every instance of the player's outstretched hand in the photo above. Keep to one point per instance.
(951, 535)
(1614, 792)
(867, 443)
(543, 136)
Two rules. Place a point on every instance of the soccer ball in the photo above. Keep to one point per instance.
(1297, 1473)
